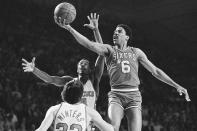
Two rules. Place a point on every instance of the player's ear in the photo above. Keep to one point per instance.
(127, 38)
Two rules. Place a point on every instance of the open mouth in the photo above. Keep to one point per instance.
(115, 37)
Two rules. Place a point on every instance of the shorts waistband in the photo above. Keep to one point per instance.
(125, 90)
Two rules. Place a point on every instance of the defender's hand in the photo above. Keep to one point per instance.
(93, 19)
(28, 66)
(181, 91)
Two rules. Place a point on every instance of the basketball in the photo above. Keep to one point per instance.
(66, 11)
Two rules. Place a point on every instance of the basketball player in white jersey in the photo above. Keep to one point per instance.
(71, 114)
(89, 78)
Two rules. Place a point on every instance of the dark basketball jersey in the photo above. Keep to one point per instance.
(122, 66)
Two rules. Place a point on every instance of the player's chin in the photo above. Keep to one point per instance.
(83, 72)
(115, 42)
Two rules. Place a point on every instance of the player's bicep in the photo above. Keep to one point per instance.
(146, 62)
(47, 120)
(100, 49)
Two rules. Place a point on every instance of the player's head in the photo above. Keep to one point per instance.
(83, 67)
(72, 92)
(122, 34)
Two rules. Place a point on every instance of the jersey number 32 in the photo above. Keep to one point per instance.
(64, 127)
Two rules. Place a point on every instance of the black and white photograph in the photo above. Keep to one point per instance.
(98, 65)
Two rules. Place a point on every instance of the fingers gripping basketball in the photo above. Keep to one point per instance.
(66, 11)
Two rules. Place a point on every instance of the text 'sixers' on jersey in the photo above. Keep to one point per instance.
(122, 66)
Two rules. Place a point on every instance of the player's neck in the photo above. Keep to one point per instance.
(83, 78)
(122, 47)
(77, 103)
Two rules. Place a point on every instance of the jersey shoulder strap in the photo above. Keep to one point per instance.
(133, 50)
(57, 111)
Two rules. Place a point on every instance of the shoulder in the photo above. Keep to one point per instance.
(111, 50)
(75, 78)
(135, 49)
(54, 109)
(109, 47)
(66, 78)
(138, 51)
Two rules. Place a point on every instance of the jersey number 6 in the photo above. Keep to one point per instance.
(125, 67)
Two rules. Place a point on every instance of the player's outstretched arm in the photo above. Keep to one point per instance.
(56, 80)
(46, 123)
(159, 74)
(99, 64)
(93, 25)
(98, 120)
(101, 49)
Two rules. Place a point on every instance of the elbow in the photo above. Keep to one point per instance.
(97, 50)
(100, 53)
(95, 47)
(49, 81)
(156, 72)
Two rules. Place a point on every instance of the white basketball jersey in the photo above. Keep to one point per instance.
(71, 118)
(89, 94)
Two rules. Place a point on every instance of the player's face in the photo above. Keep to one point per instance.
(83, 67)
(119, 36)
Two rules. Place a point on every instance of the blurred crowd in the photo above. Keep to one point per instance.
(171, 116)
(23, 108)
(24, 98)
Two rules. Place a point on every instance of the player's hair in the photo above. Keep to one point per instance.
(128, 32)
(72, 92)
(84, 60)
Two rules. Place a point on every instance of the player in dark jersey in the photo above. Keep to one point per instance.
(122, 64)
(89, 78)
(71, 114)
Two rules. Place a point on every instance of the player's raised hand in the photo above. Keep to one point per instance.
(28, 66)
(93, 19)
(181, 91)
(61, 22)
